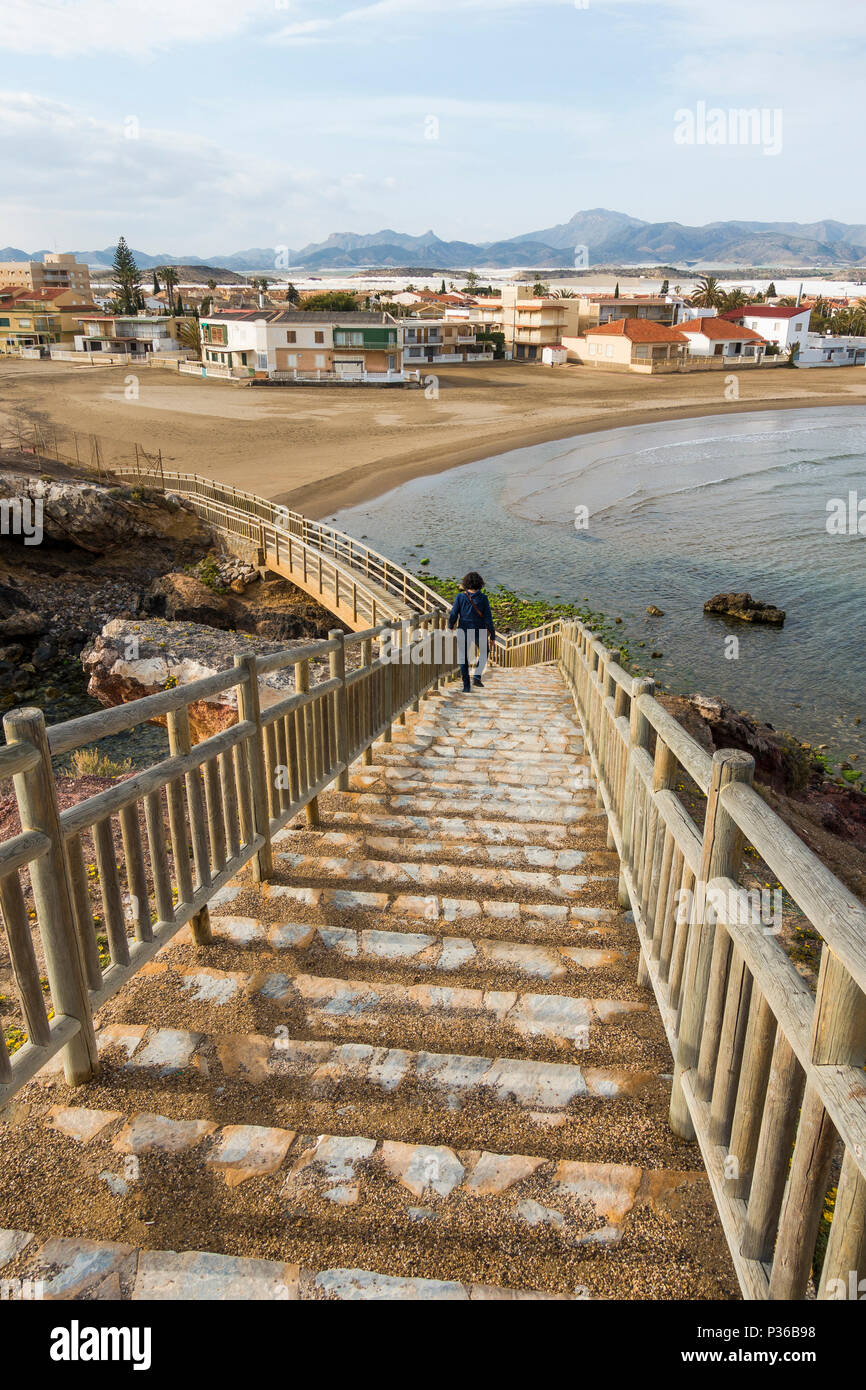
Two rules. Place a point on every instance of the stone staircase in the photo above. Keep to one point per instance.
(416, 1064)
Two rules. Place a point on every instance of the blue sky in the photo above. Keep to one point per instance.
(206, 126)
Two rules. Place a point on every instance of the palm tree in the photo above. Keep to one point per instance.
(734, 299)
(709, 294)
(563, 294)
(169, 280)
(189, 333)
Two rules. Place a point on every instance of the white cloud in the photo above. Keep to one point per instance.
(67, 28)
(208, 195)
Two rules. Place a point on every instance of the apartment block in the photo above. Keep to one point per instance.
(291, 342)
(58, 271)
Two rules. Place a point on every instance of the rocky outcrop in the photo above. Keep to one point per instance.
(98, 518)
(270, 608)
(182, 598)
(130, 659)
(746, 608)
(780, 761)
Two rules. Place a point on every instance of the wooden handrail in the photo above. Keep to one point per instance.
(766, 1072)
(187, 824)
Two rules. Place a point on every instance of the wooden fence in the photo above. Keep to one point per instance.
(349, 577)
(182, 828)
(768, 1076)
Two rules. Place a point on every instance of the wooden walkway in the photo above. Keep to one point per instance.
(417, 994)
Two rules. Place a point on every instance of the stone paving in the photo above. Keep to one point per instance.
(444, 955)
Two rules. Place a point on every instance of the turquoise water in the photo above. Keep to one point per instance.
(678, 511)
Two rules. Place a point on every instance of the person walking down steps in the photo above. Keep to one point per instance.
(472, 616)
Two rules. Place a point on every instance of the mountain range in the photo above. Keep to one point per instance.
(610, 238)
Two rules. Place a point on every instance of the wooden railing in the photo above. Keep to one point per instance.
(347, 575)
(768, 1076)
(162, 842)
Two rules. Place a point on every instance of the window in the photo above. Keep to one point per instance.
(292, 359)
(320, 337)
(320, 359)
(262, 361)
(291, 336)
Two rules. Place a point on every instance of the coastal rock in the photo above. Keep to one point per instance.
(128, 660)
(746, 608)
(17, 619)
(98, 518)
(181, 598)
(655, 612)
(780, 761)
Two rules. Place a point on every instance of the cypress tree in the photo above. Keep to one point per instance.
(127, 278)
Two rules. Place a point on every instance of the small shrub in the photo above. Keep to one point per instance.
(89, 762)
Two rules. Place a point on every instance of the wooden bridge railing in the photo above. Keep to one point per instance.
(347, 575)
(162, 842)
(768, 1076)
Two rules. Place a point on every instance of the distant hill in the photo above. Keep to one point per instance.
(611, 238)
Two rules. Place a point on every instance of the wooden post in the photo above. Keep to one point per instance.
(179, 742)
(846, 1248)
(249, 709)
(52, 895)
(720, 858)
(368, 706)
(302, 686)
(638, 738)
(341, 715)
(757, 1054)
(784, 1090)
(804, 1200)
(839, 1023)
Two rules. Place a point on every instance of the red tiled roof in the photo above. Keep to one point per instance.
(627, 298)
(637, 331)
(765, 311)
(717, 330)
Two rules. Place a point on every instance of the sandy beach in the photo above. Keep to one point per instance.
(321, 448)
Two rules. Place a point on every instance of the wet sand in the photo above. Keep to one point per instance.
(323, 448)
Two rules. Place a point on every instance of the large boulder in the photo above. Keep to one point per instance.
(128, 660)
(185, 599)
(746, 608)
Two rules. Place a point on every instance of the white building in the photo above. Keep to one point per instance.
(777, 323)
(294, 344)
(710, 336)
(825, 350)
(443, 340)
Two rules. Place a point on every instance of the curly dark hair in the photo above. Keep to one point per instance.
(472, 580)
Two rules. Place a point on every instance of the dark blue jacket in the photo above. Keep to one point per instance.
(472, 613)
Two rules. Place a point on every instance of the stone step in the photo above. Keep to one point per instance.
(437, 1198)
(427, 753)
(473, 913)
(421, 782)
(78, 1269)
(462, 878)
(366, 846)
(525, 774)
(330, 1070)
(508, 739)
(499, 807)
(473, 830)
(419, 951)
(393, 1012)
